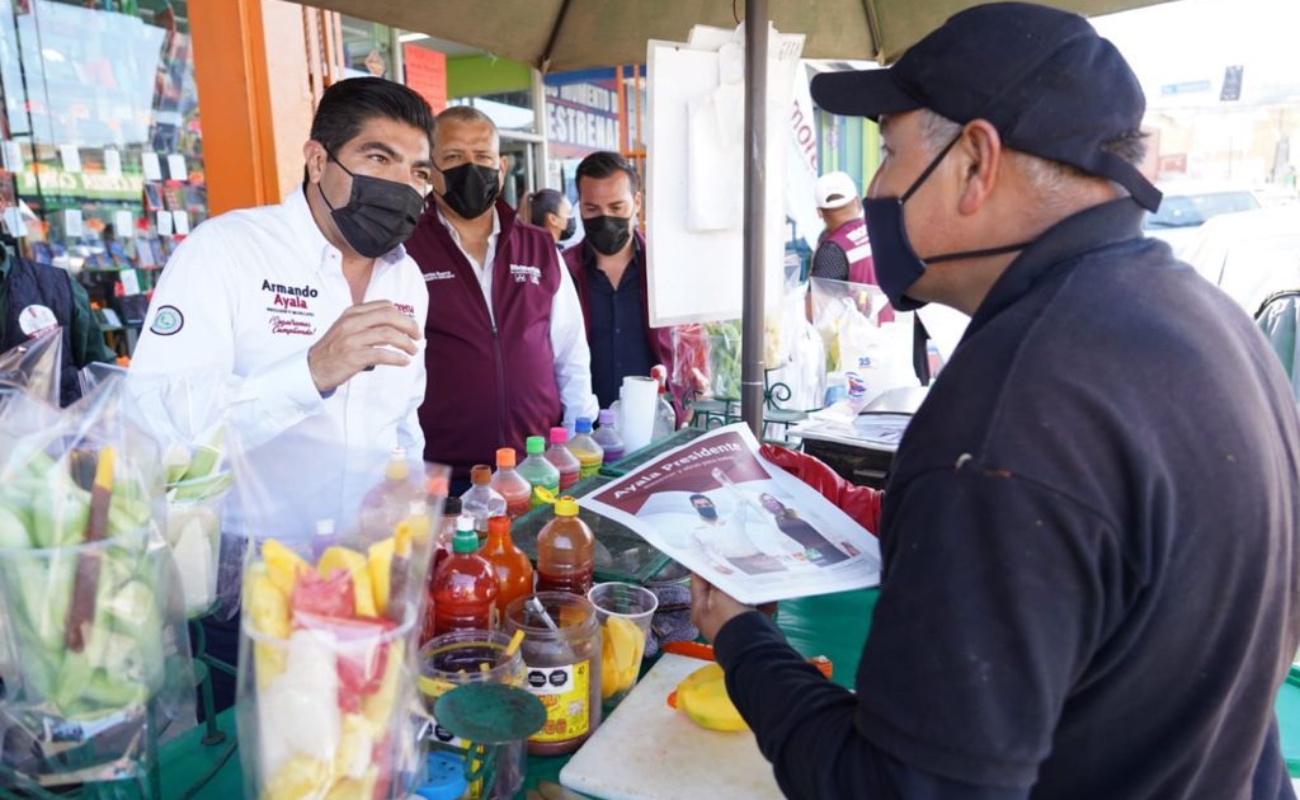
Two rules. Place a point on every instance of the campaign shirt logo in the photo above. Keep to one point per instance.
(167, 320)
(36, 319)
(430, 277)
(525, 274)
(290, 298)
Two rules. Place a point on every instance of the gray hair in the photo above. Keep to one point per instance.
(1045, 175)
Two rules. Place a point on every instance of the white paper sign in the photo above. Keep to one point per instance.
(182, 220)
(151, 166)
(123, 224)
(130, 281)
(111, 317)
(176, 169)
(72, 222)
(165, 222)
(13, 155)
(71, 157)
(112, 163)
(14, 222)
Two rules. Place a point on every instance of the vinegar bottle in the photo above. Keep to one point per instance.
(565, 552)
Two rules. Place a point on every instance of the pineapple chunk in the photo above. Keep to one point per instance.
(354, 564)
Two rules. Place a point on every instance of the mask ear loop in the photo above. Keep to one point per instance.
(928, 171)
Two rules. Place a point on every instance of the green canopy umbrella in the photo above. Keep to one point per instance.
(556, 35)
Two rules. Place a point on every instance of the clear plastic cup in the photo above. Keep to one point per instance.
(624, 611)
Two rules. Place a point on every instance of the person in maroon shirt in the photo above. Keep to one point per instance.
(507, 353)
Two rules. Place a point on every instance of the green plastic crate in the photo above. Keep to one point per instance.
(621, 555)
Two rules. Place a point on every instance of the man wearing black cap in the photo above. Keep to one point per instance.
(1090, 533)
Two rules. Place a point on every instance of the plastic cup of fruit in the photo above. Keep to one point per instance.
(95, 686)
(624, 611)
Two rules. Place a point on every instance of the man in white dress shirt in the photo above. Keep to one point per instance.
(312, 306)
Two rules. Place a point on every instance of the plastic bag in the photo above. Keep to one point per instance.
(97, 656)
(186, 413)
(847, 316)
(798, 381)
(333, 602)
(34, 367)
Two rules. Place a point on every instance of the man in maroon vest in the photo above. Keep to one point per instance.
(844, 252)
(609, 269)
(507, 352)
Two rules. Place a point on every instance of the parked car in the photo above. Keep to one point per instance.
(1188, 205)
(1250, 255)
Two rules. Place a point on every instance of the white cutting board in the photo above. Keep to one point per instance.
(647, 750)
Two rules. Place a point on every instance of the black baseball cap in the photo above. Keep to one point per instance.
(1044, 78)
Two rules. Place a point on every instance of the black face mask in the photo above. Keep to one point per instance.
(570, 228)
(380, 214)
(471, 190)
(607, 234)
(897, 264)
(708, 513)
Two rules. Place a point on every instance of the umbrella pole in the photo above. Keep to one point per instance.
(755, 251)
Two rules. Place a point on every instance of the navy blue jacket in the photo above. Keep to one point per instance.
(1090, 553)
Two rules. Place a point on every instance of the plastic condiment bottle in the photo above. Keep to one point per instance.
(442, 540)
(514, 570)
(538, 471)
(565, 552)
(590, 455)
(514, 487)
(563, 461)
(607, 437)
(464, 586)
(389, 502)
(481, 501)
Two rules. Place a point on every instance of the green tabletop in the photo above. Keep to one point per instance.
(831, 625)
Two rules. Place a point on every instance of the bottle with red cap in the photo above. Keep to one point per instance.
(565, 462)
(514, 570)
(464, 588)
(514, 487)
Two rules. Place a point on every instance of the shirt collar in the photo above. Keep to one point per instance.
(1091, 229)
(298, 212)
(455, 234)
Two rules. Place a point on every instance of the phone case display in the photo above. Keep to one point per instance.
(103, 139)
